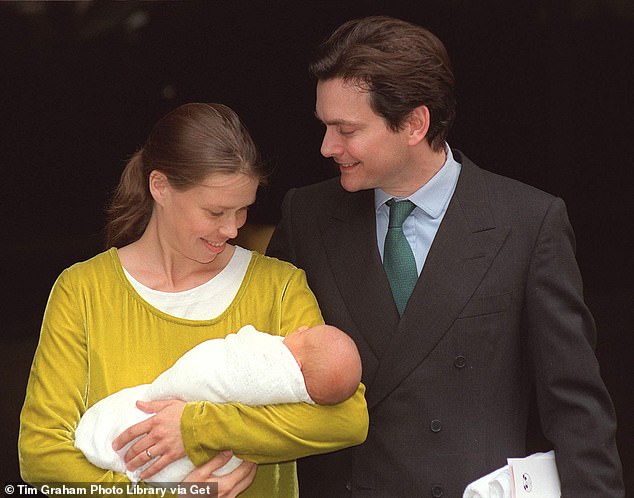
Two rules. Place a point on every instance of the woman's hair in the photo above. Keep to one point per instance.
(188, 144)
(400, 64)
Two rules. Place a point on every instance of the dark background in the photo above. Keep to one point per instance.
(544, 96)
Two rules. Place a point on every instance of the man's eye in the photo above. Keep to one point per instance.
(345, 132)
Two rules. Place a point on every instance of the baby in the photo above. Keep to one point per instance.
(318, 365)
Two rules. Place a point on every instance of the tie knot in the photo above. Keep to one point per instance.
(399, 211)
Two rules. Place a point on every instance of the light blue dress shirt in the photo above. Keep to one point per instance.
(431, 202)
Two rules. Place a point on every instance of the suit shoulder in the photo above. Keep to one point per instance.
(509, 201)
(504, 187)
(515, 187)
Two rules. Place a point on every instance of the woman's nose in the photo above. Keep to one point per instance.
(230, 228)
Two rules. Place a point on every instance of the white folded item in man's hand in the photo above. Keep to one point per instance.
(533, 476)
(497, 484)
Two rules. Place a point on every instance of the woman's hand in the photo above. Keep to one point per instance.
(161, 439)
(229, 485)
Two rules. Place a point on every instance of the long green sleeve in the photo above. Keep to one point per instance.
(273, 433)
(56, 395)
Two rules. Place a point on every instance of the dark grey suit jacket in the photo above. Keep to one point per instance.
(497, 313)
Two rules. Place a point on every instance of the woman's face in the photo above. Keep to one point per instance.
(197, 223)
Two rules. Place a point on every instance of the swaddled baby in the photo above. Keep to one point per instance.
(311, 365)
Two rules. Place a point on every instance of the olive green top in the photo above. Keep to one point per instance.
(99, 336)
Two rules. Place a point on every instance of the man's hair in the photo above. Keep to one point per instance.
(400, 64)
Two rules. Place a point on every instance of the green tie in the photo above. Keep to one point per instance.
(398, 258)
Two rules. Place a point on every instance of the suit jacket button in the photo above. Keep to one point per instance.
(435, 426)
(437, 491)
(349, 486)
(459, 362)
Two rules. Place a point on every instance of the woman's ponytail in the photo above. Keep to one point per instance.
(131, 206)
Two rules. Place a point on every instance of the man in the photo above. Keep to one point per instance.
(496, 311)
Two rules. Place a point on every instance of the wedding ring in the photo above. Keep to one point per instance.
(149, 455)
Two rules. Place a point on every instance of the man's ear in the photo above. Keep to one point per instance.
(417, 123)
(158, 184)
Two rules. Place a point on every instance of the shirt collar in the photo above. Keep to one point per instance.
(434, 196)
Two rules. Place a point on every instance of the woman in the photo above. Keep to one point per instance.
(169, 281)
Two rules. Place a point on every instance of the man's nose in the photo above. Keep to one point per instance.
(330, 145)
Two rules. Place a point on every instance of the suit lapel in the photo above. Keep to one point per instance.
(350, 241)
(463, 249)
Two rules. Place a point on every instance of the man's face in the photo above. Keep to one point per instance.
(369, 154)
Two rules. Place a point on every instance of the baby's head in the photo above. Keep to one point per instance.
(329, 361)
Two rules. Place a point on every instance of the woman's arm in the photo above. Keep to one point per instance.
(55, 396)
(273, 433)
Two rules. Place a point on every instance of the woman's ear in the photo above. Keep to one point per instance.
(418, 124)
(159, 185)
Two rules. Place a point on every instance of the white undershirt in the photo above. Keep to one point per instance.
(204, 302)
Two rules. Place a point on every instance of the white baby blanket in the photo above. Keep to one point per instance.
(249, 367)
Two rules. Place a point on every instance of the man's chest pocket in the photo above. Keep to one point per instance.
(486, 305)
(482, 326)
